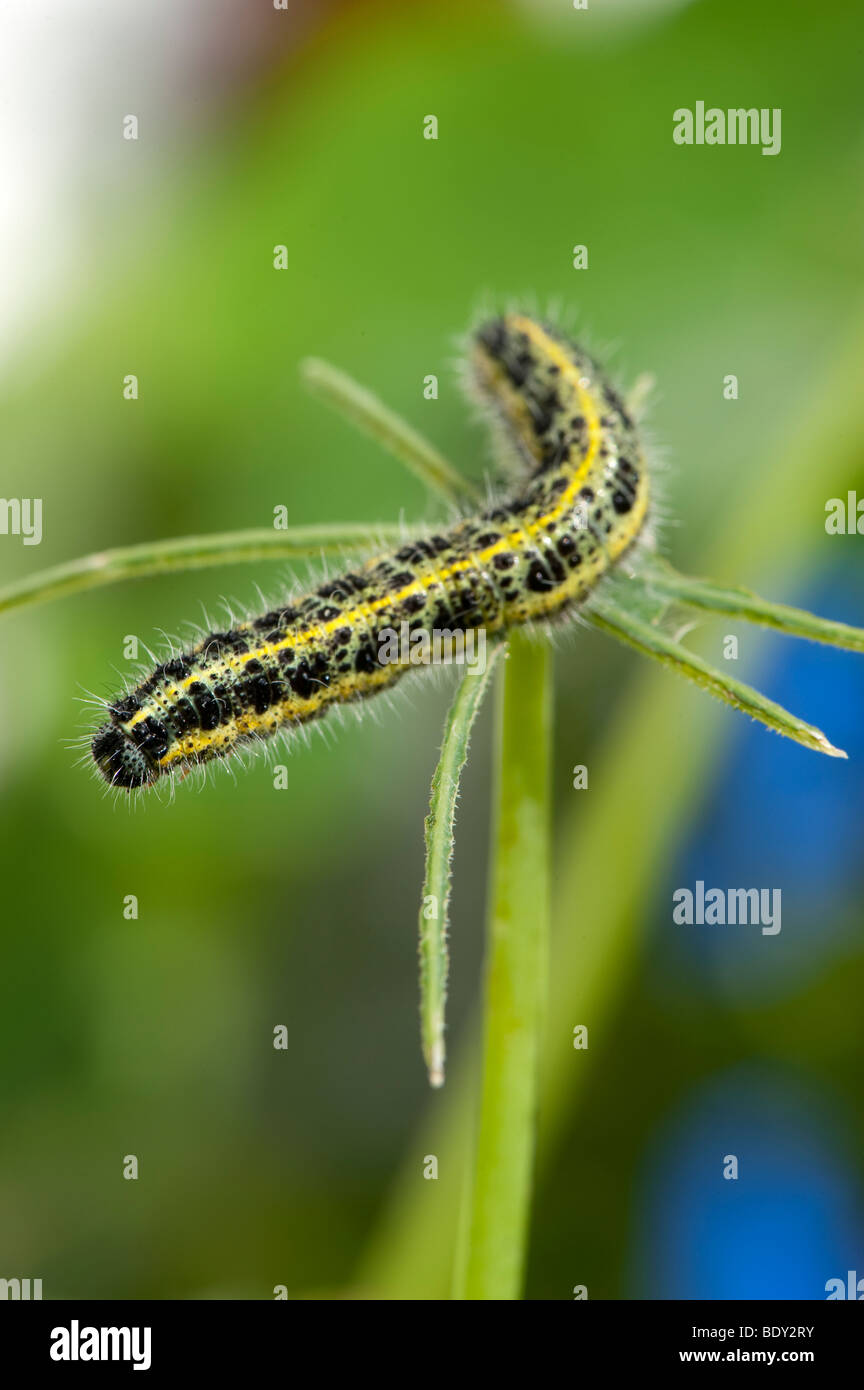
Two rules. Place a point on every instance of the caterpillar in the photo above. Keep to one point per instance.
(579, 507)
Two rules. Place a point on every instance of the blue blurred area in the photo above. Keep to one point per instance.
(785, 1226)
(780, 817)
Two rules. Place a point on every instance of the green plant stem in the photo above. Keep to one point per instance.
(187, 553)
(434, 908)
(516, 970)
(364, 409)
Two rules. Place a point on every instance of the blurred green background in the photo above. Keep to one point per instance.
(261, 907)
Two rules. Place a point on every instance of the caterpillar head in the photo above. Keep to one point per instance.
(120, 760)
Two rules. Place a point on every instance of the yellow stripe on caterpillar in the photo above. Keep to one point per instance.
(581, 505)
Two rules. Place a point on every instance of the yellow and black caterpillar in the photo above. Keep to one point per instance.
(582, 504)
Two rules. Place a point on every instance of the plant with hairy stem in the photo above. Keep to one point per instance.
(636, 608)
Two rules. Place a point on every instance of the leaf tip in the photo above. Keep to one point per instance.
(824, 745)
(436, 1066)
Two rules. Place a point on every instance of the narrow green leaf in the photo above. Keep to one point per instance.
(187, 553)
(364, 409)
(434, 908)
(749, 607)
(611, 617)
(236, 547)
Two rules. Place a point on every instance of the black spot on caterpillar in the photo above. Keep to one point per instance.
(581, 504)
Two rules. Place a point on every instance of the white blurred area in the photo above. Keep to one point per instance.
(70, 70)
